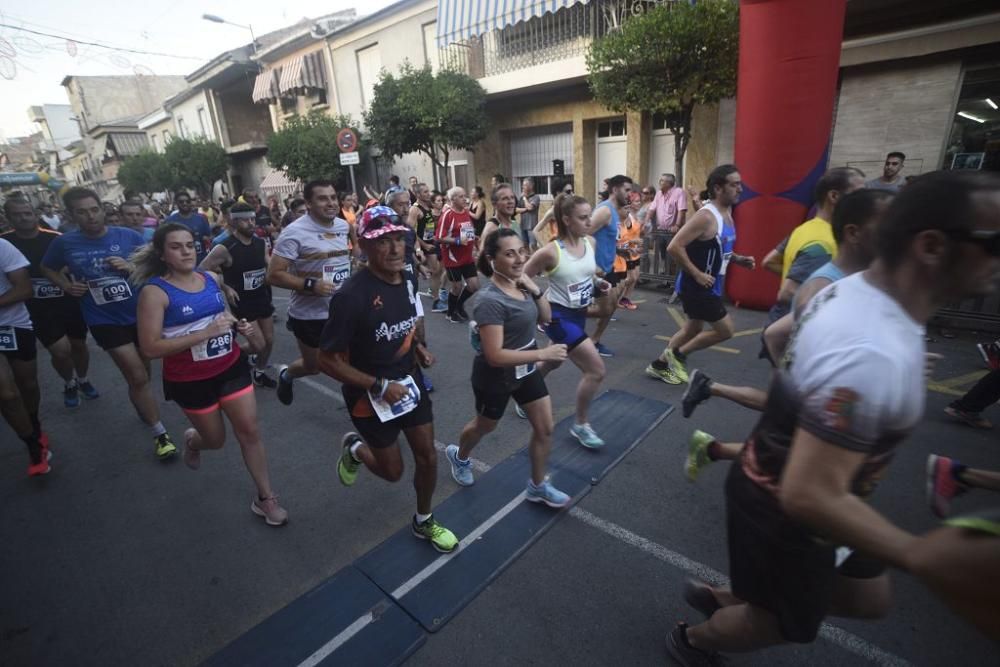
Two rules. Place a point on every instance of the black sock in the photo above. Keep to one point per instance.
(34, 447)
(680, 355)
(35, 424)
(452, 303)
(466, 293)
(660, 365)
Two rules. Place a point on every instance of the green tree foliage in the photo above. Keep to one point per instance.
(195, 163)
(146, 172)
(666, 61)
(434, 114)
(306, 146)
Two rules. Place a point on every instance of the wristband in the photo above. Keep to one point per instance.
(310, 285)
(538, 296)
(378, 387)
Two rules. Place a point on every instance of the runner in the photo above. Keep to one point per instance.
(19, 393)
(183, 320)
(477, 209)
(570, 266)
(850, 391)
(242, 261)
(312, 259)
(697, 248)
(969, 408)
(188, 216)
(629, 252)
(97, 272)
(421, 217)
(133, 215)
(506, 312)
(296, 209)
(58, 322)
(375, 346)
(456, 237)
(606, 222)
(504, 205)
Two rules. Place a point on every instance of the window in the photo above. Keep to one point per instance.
(203, 121)
(430, 46)
(369, 65)
(166, 138)
(316, 97)
(532, 153)
(156, 144)
(182, 128)
(288, 105)
(612, 128)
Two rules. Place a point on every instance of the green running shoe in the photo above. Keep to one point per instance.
(440, 537)
(165, 447)
(677, 366)
(347, 467)
(697, 457)
(664, 374)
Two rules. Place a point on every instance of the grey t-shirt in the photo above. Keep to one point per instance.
(516, 316)
(530, 218)
(879, 184)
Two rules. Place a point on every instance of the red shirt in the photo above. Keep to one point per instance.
(452, 224)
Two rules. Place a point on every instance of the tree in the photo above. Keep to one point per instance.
(666, 61)
(195, 163)
(434, 114)
(146, 172)
(306, 146)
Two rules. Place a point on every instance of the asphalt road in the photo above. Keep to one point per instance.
(117, 559)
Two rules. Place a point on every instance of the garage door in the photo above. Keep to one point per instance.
(611, 149)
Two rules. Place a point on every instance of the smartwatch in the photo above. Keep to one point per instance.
(310, 285)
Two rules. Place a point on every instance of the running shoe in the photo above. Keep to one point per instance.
(585, 434)
(546, 493)
(428, 385)
(698, 391)
(520, 411)
(697, 457)
(677, 366)
(71, 395)
(990, 353)
(440, 537)
(461, 471)
(664, 374)
(627, 304)
(165, 447)
(687, 655)
(973, 419)
(439, 307)
(261, 379)
(604, 350)
(284, 386)
(42, 467)
(273, 513)
(941, 484)
(699, 595)
(457, 318)
(347, 467)
(192, 457)
(88, 390)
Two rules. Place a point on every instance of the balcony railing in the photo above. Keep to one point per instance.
(564, 34)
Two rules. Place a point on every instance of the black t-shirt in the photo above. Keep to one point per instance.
(247, 273)
(45, 295)
(375, 323)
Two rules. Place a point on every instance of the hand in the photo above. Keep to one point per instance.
(119, 264)
(603, 286)
(748, 262)
(76, 288)
(223, 323)
(673, 229)
(930, 360)
(245, 328)
(424, 356)
(323, 288)
(692, 192)
(553, 353)
(394, 393)
(232, 296)
(526, 283)
(704, 279)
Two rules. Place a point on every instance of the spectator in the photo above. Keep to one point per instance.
(891, 178)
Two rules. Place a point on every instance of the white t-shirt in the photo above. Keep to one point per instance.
(52, 221)
(315, 251)
(11, 259)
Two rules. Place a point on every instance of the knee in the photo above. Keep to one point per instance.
(248, 435)
(394, 472)
(137, 379)
(484, 426)
(725, 329)
(9, 393)
(596, 374)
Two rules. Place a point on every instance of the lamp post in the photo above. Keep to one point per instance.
(218, 19)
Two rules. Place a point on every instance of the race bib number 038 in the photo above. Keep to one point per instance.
(109, 290)
(213, 348)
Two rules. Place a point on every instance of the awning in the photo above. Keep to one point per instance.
(265, 87)
(276, 183)
(308, 71)
(458, 20)
(128, 144)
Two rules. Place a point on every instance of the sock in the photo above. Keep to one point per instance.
(713, 450)
(81, 379)
(466, 293)
(421, 518)
(35, 424)
(34, 447)
(158, 429)
(452, 303)
(284, 376)
(72, 384)
(680, 355)
(661, 365)
(957, 469)
(354, 451)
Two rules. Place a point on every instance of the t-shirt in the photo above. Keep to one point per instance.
(315, 251)
(11, 260)
(452, 224)
(530, 218)
(52, 221)
(811, 242)
(47, 298)
(199, 226)
(854, 382)
(517, 316)
(667, 207)
(607, 239)
(879, 184)
(109, 299)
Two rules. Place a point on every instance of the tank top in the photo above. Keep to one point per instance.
(186, 313)
(247, 273)
(828, 271)
(706, 255)
(607, 239)
(571, 282)
(513, 224)
(425, 224)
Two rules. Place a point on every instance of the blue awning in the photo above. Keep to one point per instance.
(458, 20)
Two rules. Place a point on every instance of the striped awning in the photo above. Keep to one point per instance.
(308, 71)
(128, 144)
(458, 20)
(265, 87)
(277, 183)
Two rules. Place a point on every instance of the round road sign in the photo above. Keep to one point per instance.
(347, 141)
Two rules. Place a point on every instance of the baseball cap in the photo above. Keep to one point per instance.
(379, 220)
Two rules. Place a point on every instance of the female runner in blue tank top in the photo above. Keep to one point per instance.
(184, 320)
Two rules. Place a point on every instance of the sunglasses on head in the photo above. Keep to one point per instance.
(987, 239)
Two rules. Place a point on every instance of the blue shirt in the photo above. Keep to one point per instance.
(198, 224)
(607, 239)
(110, 299)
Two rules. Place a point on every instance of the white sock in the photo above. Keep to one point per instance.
(70, 384)
(354, 450)
(421, 518)
(81, 379)
(158, 429)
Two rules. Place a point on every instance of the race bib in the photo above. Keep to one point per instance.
(581, 293)
(524, 370)
(467, 233)
(409, 268)
(429, 233)
(336, 275)
(198, 248)
(45, 289)
(253, 279)
(388, 412)
(726, 256)
(8, 339)
(109, 290)
(213, 348)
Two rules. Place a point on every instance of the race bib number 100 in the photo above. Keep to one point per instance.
(109, 290)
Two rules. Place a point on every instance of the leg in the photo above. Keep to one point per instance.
(980, 479)
(305, 365)
(736, 629)
(11, 405)
(135, 370)
(748, 397)
(604, 309)
(62, 357)
(985, 393)
(862, 598)
(421, 439)
(210, 429)
(473, 432)
(266, 325)
(81, 356)
(434, 266)
(241, 410)
(26, 377)
(689, 331)
(384, 462)
(721, 330)
(540, 416)
(589, 362)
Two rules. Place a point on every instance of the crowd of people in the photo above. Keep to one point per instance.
(195, 291)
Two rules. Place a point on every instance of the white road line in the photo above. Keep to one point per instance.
(323, 389)
(327, 649)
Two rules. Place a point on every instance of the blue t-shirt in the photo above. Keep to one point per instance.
(607, 239)
(110, 298)
(198, 224)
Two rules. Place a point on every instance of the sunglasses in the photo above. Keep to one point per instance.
(987, 239)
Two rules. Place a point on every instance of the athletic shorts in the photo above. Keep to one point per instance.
(632, 264)
(205, 395)
(778, 565)
(51, 324)
(306, 331)
(706, 307)
(615, 278)
(376, 433)
(466, 271)
(492, 396)
(252, 312)
(110, 336)
(25, 342)
(568, 326)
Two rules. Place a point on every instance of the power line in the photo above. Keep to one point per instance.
(99, 45)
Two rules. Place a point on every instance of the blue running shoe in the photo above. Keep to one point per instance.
(89, 391)
(585, 434)
(461, 470)
(604, 350)
(439, 307)
(71, 396)
(546, 493)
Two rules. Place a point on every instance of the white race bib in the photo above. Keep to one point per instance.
(581, 293)
(213, 348)
(524, 370)
(253, 279)
(8, 339)
(45, 289)
(388, 412)
(109, 290)
(467, 233)
(336, 275)
(726, 256)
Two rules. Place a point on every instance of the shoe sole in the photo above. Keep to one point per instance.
(686, 410)
(585, 445)
(657, 376)
(259, 512)
(166, 456)
(536, 499)
(955, 414)
(421, 536)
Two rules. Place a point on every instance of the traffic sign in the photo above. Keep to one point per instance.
(347, 141)
(350, 158)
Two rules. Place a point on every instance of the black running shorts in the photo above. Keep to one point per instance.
(458, 273)
(703, 306)
(65, 319)
(492, 393)
(306, 331)
(110, 336)
(206, 395)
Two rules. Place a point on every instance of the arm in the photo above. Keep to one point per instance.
(681, 218)
(777, 335)
(487, 230)
(544, 222)
(805, 294)
(491, 339)
(20, 287)
(538, 294)
(687, 234)
(152, 303)
(278, 275)
(541, 261)
(218, 258)
(599, 219)
(774, 261)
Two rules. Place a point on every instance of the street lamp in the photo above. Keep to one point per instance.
(218, 19)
